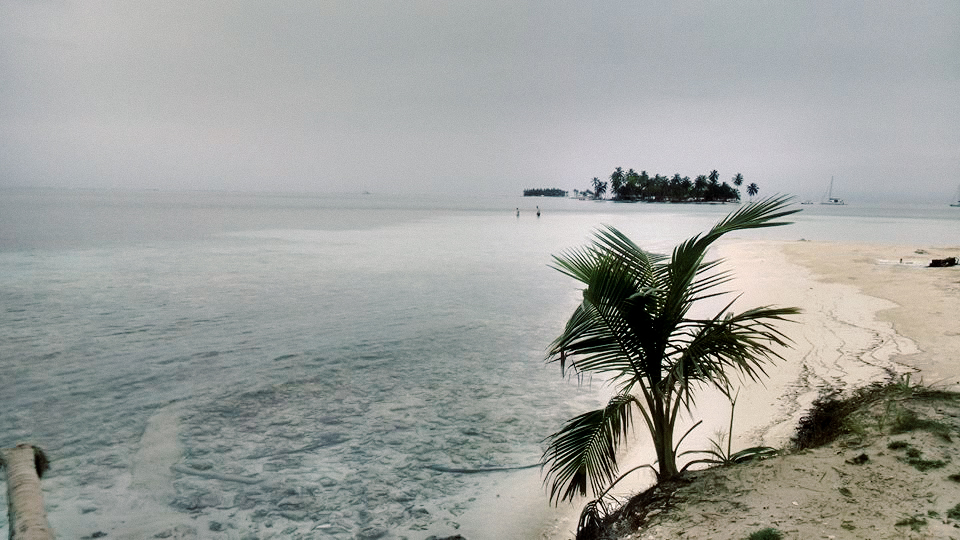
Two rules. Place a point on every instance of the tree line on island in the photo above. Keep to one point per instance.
(634, 186)
(544, 192)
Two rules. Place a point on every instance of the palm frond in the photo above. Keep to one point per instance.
(590, 524)
(688, 256)
(583, 453)
(592, 339)
(581, 263)
(639, 261)
(707, 287)
(716, 456)
(755, 215)
(601, 332)
(577, 263)
(741, 343)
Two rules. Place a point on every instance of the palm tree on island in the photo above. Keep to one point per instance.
(599, 188)
(753, 189)
(633, 325)
(617, 180)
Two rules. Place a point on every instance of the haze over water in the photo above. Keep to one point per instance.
(332, 358)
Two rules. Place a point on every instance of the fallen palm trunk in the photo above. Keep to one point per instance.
(26, 514)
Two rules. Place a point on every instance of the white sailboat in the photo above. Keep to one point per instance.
(957, 204)
(830, 198)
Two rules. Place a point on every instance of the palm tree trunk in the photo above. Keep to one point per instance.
(26, 515)
(668, 461)
(663, 443)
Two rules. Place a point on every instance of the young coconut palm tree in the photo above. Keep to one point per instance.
(633, 325)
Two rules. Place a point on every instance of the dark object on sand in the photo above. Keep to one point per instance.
(941, 263)
(859, 460)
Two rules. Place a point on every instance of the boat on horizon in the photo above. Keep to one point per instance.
(830, 198)
(957, 204)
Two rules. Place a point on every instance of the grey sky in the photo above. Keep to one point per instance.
(488, 97)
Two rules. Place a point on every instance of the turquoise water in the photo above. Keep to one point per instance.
(343, 354)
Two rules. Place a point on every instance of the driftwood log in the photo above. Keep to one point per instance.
(25, 465)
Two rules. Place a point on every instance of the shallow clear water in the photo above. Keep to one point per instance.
(341, 353)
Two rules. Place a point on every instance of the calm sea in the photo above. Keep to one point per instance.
(346, 358)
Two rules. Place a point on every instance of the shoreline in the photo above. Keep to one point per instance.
(866, 315)
(865, 318)
(924, 303)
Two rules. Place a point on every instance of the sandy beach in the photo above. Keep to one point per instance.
(869, 312)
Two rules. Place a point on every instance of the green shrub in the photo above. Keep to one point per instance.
(766, 534)
(954, 513)
(924, 465)
(824, 422)
(908, 421)
(914, 522)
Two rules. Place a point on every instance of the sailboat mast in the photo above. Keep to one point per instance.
(830, 199)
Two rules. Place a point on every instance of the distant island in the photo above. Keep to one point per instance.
(631, 186)
(634, 187)
(544, 192)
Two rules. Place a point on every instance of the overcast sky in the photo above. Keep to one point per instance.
(405, 96)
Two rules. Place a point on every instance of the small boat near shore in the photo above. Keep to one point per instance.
(830, 198)
(957, 204)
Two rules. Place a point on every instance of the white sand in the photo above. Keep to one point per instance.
(923, 303)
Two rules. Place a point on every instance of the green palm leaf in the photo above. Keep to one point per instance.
(687, 260)
(740, 343)
(583, 452)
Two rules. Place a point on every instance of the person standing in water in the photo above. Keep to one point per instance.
(518, 212)
(538, 211)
